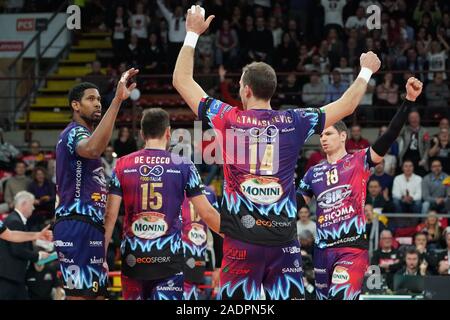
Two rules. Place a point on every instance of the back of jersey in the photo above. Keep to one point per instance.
(152, 184)
(260, 149)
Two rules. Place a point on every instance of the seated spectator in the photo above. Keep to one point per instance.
(356, 142)
(97, 77)
(377, 198)
(382, 177)
(432, 229)
(205, 45)
(443, 124)
(444, 258)
(336, 89)
(433, 190)
(19, 182)
(45, 196)
(134, 52)
(357, 21)
(286, 54)
(436, 57)
(109, 162)
(438, 95)
(313, 92)
(345, 71)
(407, 190)
(153, 55)
(440, 149)
(387, 257)
(226, 44)
(372, 216)
(36, 157)
(315, 158)
(414, 266)
(420, 242)
(414, 142)
(390, 159)
(208, 81)
(8, 154)
(261, 43)
(304, 221)
(306, 239)
(289, 91)
(387, 91)
(124, 144)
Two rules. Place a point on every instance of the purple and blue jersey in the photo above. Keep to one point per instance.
(80, 182)
(260, 150)
(153, 184)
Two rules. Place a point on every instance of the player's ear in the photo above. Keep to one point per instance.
(168, 134)
(75, 105)
(248, 92)
(142, 135)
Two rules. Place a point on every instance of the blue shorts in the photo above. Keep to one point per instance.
(81, 252)
(169, 288)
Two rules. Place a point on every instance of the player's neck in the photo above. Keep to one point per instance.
(83, 122)
(334, 157)
(155, 144)
(258, 104)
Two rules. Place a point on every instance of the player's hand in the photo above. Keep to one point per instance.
(215, 278)
(123, 92)
(195, 20)
(370, 60)
(413, 88)
(222, 73)
(43, 255)
(45, 234)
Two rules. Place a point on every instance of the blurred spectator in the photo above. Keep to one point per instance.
(377, 198)
(277, 31)
(36, 157)
(205, 45)
(444, 258)
(261, 43)
(14, 6)
(306, 239)
(382, 177)
(153, 55)
(413, 265)
(443, 124)
(19, 182)
(356, 142)
(119, 26)
(421, 245)
(226, 44)
(438, 95)
(387, 257)
(372, 216)
(436, 57)
(315, 158)
(390, 159)
(387, 92)
(45, 196)
(407, 190)
(406, 30)
(97, 77)
(286, 54)
(139, 23)
(208, 81)
(125, 143)
(8, 154)
(176, 31)
(313, 92)
(225, 90)
(289, 91)
(17, 256)
(425, 8)
(431, 229)
(333, 12)
(304, 221)
(345, 71)
(440, 149)
(109, 162)
(357, 21)
(336, 89)
(414, 142)
(433, 190)
(43, 283)
(134, 52)
(423, 42)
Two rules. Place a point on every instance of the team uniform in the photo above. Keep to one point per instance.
(258, 210)
(81, 201)
(340, 255)
(194, 237)
(153, 185)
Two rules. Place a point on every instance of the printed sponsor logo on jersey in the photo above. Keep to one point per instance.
(317, 180)
(248, 221)
(237, 272)
(262, 190)
(190, 263)
(130, 260)
(95, 260)
(321, 285)
(95, 243)
(65, 260)
(173, 171)
(236, 254)
(317, 174)
(335, 215)
(99, 176)
(130, 171)
(149, 225)
(225, 110)
(215, 107)
(297, 267)
(316, 169)
(273, 224)
(318, 270)
(340, 275)
(291, 250)
(197, 234)
(59, 243)
(155, 171)
(332, 197)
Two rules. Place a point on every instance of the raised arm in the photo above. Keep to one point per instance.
(183, 75)
(351, 98)
(384, 142)
(93, 147)
(166, 13)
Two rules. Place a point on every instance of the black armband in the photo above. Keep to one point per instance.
(385, 141)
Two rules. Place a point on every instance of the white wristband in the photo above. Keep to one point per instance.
(365, 73)
(191, 39)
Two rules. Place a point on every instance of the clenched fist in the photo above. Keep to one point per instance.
(370, 60)
(413, 89)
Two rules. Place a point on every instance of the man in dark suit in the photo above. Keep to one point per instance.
(444, 257)
(15, 257)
